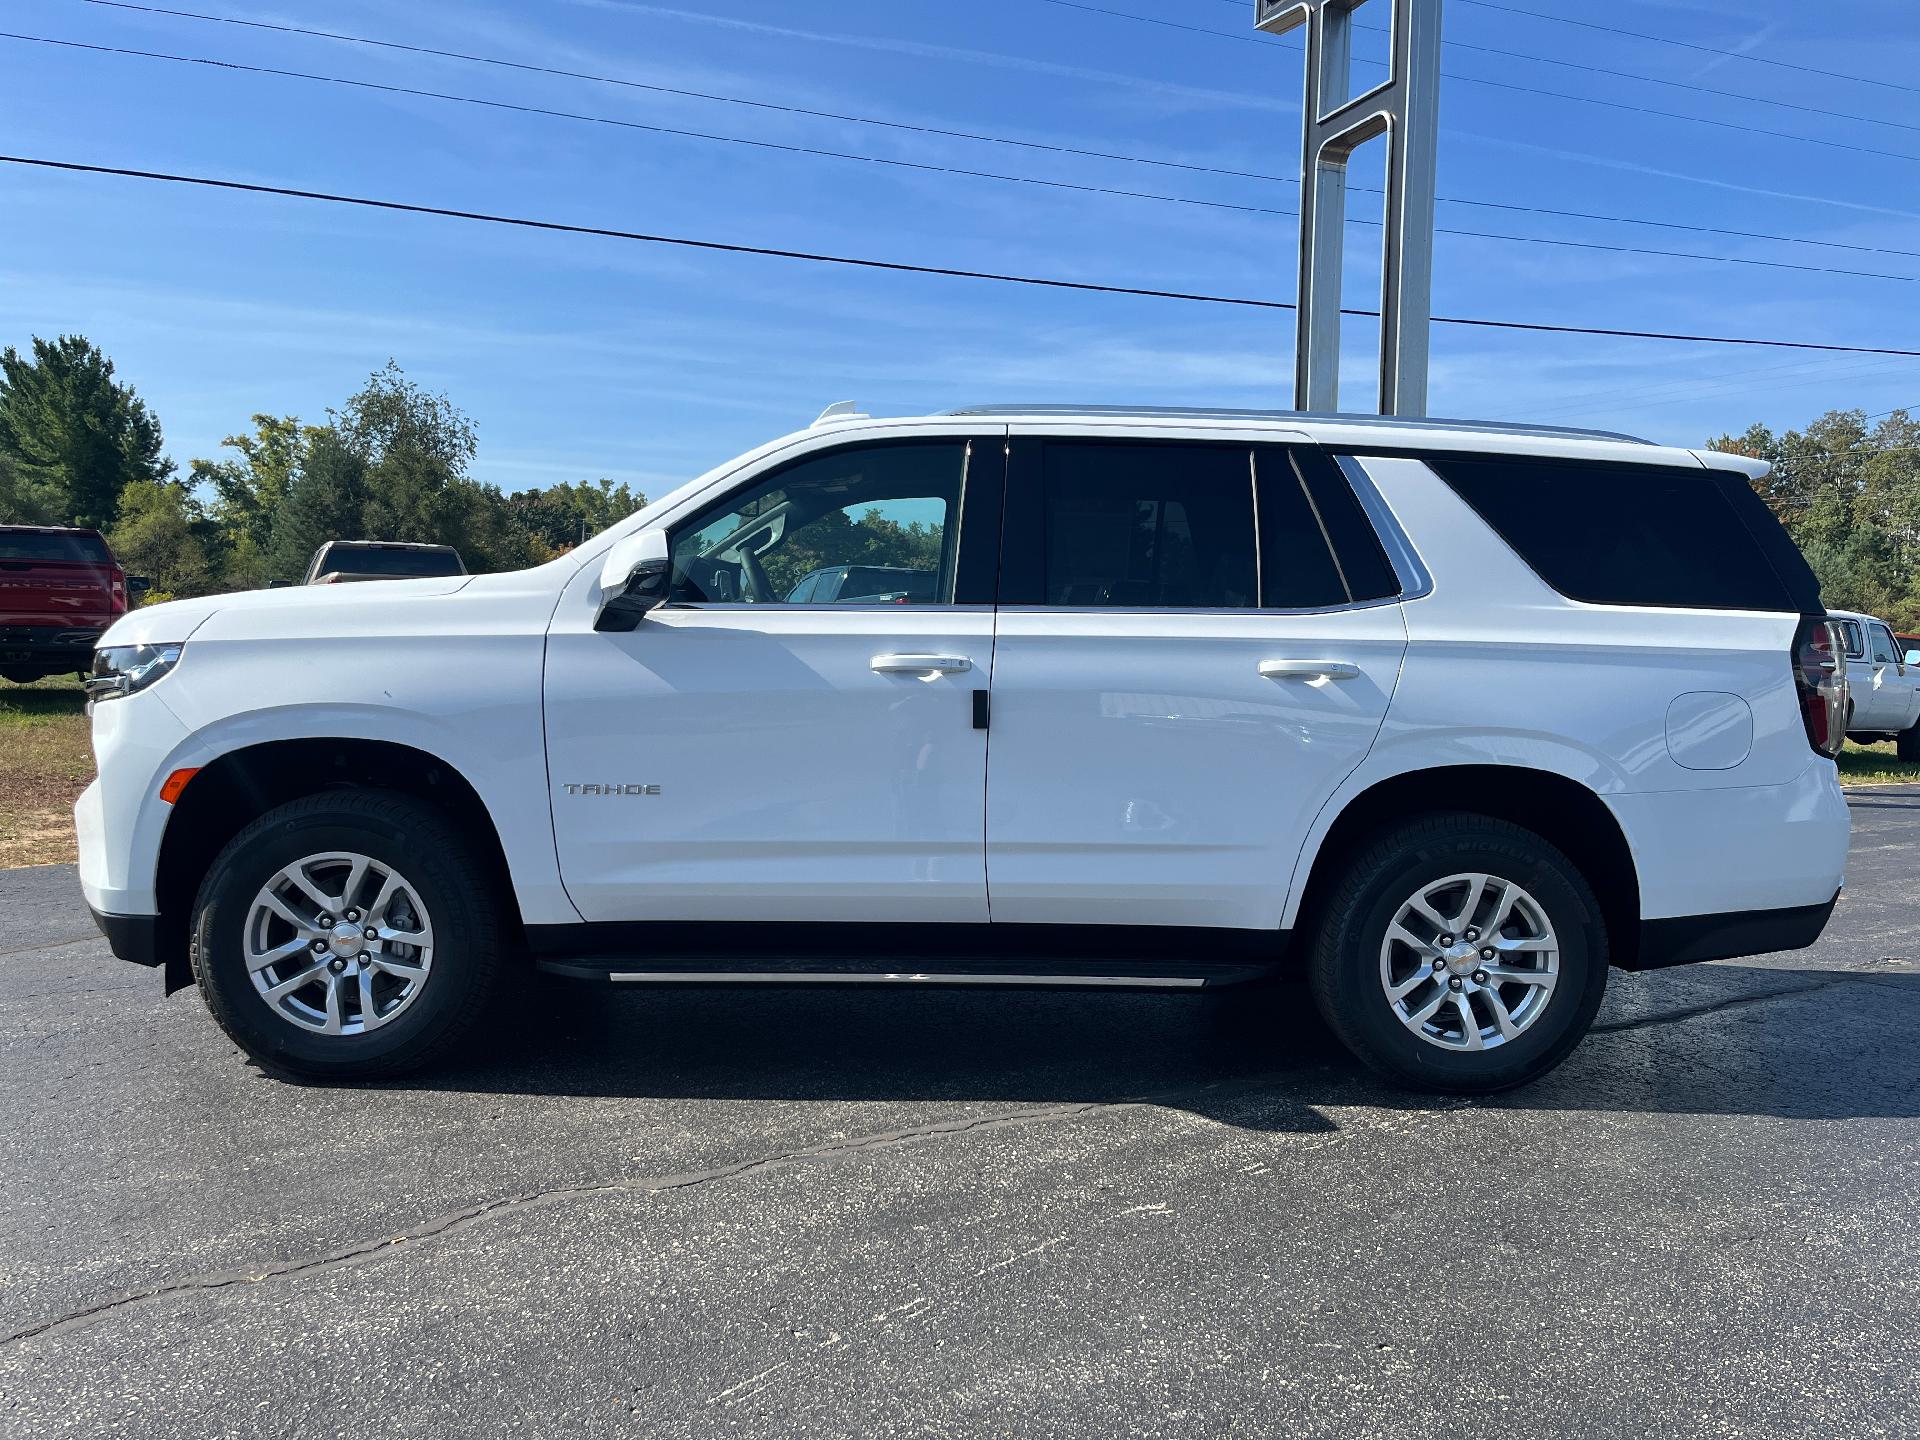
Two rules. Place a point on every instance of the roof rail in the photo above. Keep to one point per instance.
(1190, 412)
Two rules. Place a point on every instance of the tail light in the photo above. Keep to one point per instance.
(1820, 677)
(117, 579)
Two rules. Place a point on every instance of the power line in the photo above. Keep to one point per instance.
(1635, 76)
(583, 117)
(1689, 45)
(1518, 89)
(983, 137)
(904, 267)
(919, 165)
(1724, 54)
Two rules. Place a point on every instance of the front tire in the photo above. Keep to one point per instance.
(1460, 953)
(348, 935)
(1907, 743)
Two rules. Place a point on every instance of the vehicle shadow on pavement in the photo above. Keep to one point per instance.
(1718, 1039)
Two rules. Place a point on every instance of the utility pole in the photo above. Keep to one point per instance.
(1405, 109)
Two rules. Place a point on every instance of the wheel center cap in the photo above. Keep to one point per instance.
(1462, 958)
(344, 940)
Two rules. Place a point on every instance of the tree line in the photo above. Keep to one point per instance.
(78, 447)
(1848, 491)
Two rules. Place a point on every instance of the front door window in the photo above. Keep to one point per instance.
(869, 526)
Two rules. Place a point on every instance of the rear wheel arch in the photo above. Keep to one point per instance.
(239, 786)
(1562, 811)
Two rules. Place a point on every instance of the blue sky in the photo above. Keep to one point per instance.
(580, 357)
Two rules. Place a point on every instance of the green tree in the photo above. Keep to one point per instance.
(71, 435)
(162, 534)
(249, 489)
(1849, 495)
(324, 501)
(839, 538)
(417, 446)
(565, 513)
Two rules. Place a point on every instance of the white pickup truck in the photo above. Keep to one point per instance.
(1883, 688)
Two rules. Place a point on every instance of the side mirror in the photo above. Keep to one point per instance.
(634, 579)
(138, 584)
(1913, 657)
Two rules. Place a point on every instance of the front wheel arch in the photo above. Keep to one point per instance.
(233, 790)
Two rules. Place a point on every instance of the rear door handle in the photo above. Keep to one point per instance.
(920, 664)
(1309, 669)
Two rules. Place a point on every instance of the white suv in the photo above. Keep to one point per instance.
(1453, 716)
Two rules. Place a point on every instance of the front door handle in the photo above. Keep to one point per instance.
(1309, 669)
(920, 664)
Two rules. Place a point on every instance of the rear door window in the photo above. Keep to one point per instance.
(1155, 527)
(1632, 535)
(1184, 525)
(1317, 547)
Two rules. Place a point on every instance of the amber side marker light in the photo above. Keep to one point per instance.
(176, 782)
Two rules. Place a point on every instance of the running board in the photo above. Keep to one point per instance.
(906, 972)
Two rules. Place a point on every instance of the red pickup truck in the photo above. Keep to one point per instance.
(59, 588)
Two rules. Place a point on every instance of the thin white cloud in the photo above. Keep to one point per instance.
(1238, 99)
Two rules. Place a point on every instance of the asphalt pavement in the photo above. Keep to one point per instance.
(950, 1213)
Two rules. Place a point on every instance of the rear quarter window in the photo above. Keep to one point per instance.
(1636, 535)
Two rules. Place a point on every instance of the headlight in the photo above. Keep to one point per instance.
(123, 669)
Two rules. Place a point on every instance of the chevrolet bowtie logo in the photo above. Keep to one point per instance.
(612, 789)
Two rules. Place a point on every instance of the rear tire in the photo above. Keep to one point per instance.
(24, 674)
(406, 963)
(1907, 743)
(1475, 1024)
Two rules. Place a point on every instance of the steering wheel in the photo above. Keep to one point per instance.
(758, 587)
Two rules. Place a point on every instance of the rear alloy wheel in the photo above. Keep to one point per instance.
(1469, 962)
(1460, 953)
(349, 935)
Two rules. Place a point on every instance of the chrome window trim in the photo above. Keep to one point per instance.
(1251, 611)
(1408, 568)
(825, 607)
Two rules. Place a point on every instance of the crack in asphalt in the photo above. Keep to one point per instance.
(52, 945)
(364, 1251)
(453, 1222)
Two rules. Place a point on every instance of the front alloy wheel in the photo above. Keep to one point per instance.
(351, 934)
(338, 943)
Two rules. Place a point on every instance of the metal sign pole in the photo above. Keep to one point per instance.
(1405, 108)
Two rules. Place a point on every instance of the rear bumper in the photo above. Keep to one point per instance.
(54, 645)
(130, 937)
(1688, 939)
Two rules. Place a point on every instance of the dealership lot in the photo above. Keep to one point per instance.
(698, 1213)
